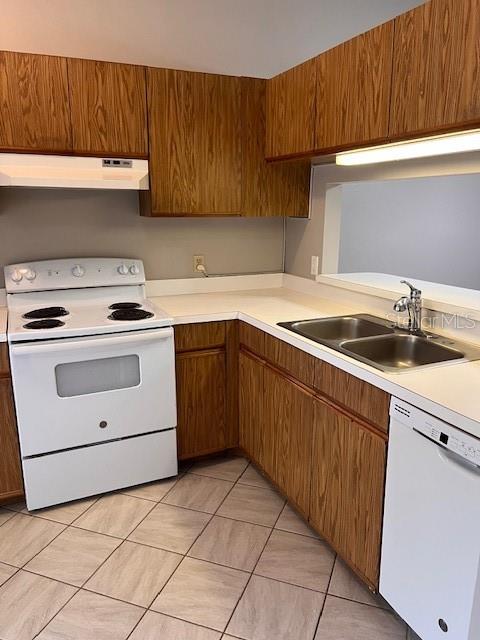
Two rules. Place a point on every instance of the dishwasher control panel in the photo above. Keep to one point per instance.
(444, 434)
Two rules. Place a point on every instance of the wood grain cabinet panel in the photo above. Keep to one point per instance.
(286, 445)
(251, 404)
(34, 103)
(201, 402)
(347, 489)
(291, 111)
(252, 338)
(357, 396)
(11, 481)
(294, 361)
(353, 90)
(195, 132)
(108, 106)
(436, 68)
(202, 335)
(268, 189)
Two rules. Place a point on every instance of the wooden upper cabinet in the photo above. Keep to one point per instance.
(436, 68)
(108, 107)
(291, 111)
(195, 143)
(268, 189)
(353, 90)
(34, 103)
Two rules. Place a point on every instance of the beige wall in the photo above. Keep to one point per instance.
(37, 224)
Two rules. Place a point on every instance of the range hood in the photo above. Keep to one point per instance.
(75, 172)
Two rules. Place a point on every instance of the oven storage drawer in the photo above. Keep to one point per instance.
(69, 475)
(78, 391)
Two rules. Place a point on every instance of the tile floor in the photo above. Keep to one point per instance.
(215, 553)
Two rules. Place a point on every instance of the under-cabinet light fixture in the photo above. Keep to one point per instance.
(420, 148)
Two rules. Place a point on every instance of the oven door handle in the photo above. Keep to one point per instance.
(111, 340)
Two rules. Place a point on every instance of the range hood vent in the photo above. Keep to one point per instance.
(63, 172)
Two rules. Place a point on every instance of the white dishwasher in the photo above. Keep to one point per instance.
(430, 562)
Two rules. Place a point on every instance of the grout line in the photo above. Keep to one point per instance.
(326, 596)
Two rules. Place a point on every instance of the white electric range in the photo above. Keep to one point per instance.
(93, 370)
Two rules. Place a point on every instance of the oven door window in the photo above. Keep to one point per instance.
(95, 376)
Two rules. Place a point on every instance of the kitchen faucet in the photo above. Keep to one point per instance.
(412, 304)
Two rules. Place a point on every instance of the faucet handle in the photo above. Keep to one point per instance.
(414, 291)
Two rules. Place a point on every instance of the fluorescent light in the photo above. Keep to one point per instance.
(423, 148)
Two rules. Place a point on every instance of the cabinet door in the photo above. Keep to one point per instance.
(436, 67)
(268, 189)
(287, 437)
(347, 491)
(353, 90)
(291, 111)
(195, 143)
(11, 482)
(201, 402)
(34, 103)
(251, 401)
(108, 104)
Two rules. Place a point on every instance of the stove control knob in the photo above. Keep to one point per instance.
(16, 276)
(123, 270)
(134, 270)
(30, 274)
(78, 271)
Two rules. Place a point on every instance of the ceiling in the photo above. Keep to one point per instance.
(239, 37)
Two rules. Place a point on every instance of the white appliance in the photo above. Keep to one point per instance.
(430, 564)
(32, 170)
(93, 370)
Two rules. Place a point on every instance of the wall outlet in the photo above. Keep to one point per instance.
(198, 261)
(314, 266)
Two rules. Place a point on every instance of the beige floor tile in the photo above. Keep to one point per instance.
(202, 593)
(6, 572)
(89, 616)
(345, 584)
(254, 478)
(199, 493)
(225, 468)
(73, 556)
(231, 543)
(156, 626)
(171, 528)
(115, 515)
(64, 513)
(22, 537)
(299, 560)
(5, 515)
(252, 504)
(28, 603)
(271, 610)
(134, 573)
(346, 620)
(16, 506)
(154, 491)
(290, 521)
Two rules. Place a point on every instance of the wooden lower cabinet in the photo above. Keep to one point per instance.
(347, 489)
(286, 445)
(201, 402)
(11, 481)
(251, 388)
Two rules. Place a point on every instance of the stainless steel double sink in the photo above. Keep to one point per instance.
(380, 343)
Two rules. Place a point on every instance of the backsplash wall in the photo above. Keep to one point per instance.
(37, 224)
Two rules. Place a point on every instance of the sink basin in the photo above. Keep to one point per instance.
(338, 328)
(400, 351)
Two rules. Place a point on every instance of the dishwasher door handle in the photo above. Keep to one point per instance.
(462, 463)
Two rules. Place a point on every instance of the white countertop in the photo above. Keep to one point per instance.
(449, 391)
(3, 324)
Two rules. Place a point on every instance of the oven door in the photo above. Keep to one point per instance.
(78, 391)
